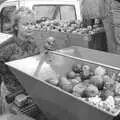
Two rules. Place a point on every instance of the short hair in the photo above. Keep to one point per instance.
(18, 14)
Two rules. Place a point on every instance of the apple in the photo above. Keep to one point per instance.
(76, 94)
(91, 91)
(97, 81)
(78, 78)
(85, 71)
(79, 88)
(76, 68)
(65, 84)
(108, 82)
(100, 71)
(75, 81)
(71, 75)
(117, 100)
(117, 88)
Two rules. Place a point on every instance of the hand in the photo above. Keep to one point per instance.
(50, 44)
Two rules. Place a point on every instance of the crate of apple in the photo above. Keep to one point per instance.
(97, 86)
(71, 26)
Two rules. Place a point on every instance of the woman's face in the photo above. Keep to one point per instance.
(26, 26)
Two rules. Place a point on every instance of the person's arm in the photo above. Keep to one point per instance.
(36, 49)
(31, 49)
(5, 54)
(10, 116)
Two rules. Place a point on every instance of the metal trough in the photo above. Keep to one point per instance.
(56, 103)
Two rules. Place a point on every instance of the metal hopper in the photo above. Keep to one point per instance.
(55, 102)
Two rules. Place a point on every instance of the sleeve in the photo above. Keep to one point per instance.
(5, 55)
(5, 51)
(11, 82)
(36, 50)
(10, 116)
(20, 117)
(33, 49)
(17, 53)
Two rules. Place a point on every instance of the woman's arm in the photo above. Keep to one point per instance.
(6, 53)
(30, 49)
(10, 116)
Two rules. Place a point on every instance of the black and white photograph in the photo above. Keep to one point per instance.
(59, 59)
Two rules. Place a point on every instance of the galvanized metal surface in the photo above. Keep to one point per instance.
(52, 100)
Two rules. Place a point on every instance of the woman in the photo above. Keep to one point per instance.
(21, 45)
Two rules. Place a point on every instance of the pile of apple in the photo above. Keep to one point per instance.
(96, 86)
(72, 26)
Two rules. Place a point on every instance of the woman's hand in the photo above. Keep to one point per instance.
(50, 44)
